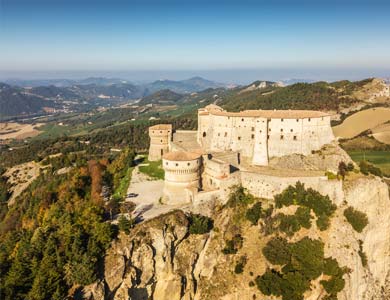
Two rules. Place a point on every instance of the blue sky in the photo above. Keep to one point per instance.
(284, 38)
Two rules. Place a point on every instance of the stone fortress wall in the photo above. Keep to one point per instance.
(262, 134)
(231, 149)
(182, 174)
(160, 137)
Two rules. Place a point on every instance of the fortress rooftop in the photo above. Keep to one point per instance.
(181, 156)
(270, 114)
(161, 127)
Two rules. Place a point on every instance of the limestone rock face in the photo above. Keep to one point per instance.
(160, 260)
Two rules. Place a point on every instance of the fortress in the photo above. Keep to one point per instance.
(231, 148)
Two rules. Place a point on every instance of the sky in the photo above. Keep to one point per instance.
(221, 40)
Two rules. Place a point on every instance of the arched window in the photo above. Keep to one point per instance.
(204, 133)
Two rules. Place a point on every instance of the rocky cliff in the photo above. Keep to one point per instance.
(161, 260)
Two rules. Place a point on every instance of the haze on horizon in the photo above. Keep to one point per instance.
(221, 40)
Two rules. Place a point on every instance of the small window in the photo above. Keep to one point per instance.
(281, 137)
(253, 128)
(166, 163)
(281, 129)
(188, 164)
(219, 134)
(160, 131)
(204, 133)
(291, 130)
(239, 138)
(309, 119)
(242, 120)
(267, 137)
(281, 120)
(295, 137)
(177, 164)
(225, 134)
(161, 141)
(261, 131)
(269, 129)
(253, 136)
(297, 120)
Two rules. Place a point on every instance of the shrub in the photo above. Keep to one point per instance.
(342, 169)
(200, 224)
(367, 168)
(239, 196)
(239, 268)
(124, 224)
(298, 195)
(334, 285)
(331, 175)
(323, 222)
(363, 256)
(302, 262)
(356, 218)
(277, 251)
(253, 214)
(233, 245)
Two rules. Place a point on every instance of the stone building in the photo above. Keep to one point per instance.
(182, 175)
(261, 134)
(234, 148)
(160, 136)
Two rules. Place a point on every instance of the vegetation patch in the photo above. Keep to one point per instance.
(321, 205)
(199, 224)
(233, 245)
(300, 263)
(291, 224)
(239, 267)
(153, 169)
(356, 218)
(254, 213)
(362, 254)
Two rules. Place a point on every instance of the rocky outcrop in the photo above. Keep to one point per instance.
(325, 159)
(161, 260)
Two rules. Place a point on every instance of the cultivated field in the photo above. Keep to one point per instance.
(362, 121)
(381, 159)
(382, 133)
(18, 130)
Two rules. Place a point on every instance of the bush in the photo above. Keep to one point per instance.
(233, 245)
(253, 214)
(302, 262)
(367, 168)
(321, 205)
(291, 224)
(200, 224)
(356, 218)
(363, 256)
(239, 268)
(239, 197)
(277, 251)
(124, 224)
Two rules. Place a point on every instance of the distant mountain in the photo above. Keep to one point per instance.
(16, 101)
(194, 84)
(163, 97)
(120, 91)
(53, 92)
(65, 82)
(296, 80)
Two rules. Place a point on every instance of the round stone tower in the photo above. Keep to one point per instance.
(182, 176)
(160, 136)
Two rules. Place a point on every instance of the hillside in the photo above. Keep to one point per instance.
(190, 85)
(163, 97)
(15, 101)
